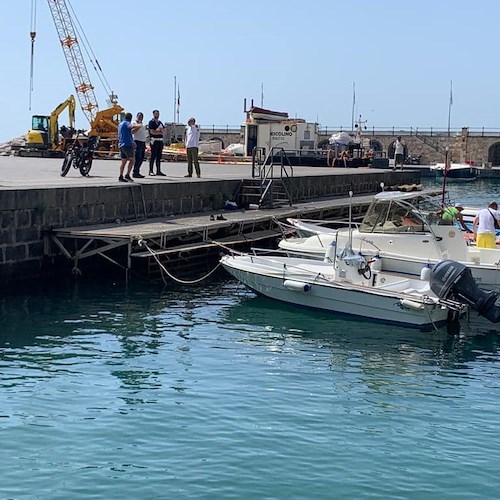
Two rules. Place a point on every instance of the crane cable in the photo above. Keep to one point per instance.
(91, 55)
(32, 35)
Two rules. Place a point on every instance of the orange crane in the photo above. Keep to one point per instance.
(103, 123)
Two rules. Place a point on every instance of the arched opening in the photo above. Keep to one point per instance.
(494, 154)
(218, 139)
(376, 146)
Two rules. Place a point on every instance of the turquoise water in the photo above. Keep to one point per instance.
(211, 392)
(215, 393)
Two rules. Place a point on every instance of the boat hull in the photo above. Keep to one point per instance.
(303, 289)
(459, 172)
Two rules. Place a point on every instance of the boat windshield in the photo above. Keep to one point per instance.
(400, 215)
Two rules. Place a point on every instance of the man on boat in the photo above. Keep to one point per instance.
(485, 225)
(453, 214)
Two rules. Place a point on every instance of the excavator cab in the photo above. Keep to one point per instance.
(38, 136)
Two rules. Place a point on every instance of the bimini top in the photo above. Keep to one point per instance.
(403, 195)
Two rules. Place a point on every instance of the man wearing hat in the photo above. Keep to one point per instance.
(485, 225)
(453, 214)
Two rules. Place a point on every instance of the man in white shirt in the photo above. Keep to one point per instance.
(484, 226)
(399, 151)
(192, 141)
(140, 135)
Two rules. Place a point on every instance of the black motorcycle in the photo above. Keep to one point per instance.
(80, 156)
(413, 160)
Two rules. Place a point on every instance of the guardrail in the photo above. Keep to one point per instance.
(390, 131)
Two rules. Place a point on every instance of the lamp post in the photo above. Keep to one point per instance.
(445, 171)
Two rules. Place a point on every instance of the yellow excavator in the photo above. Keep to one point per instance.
(45, 137)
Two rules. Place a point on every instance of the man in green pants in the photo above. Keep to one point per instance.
(192, 141)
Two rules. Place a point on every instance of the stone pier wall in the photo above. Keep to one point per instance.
(25, 215)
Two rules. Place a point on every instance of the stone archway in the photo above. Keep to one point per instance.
(494, 154)
(376, 146)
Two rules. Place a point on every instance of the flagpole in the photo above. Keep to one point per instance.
(175, 96)
(449, 106)
(178, 101)
(353, 104)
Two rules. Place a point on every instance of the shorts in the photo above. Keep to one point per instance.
(486, 240)
(398, 159)
(127, 152)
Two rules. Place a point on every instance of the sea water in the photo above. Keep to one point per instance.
(146, 392)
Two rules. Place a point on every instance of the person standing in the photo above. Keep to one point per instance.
(155, 127)
(192, 141)
(484, 226)
(140, 135)
(399, 152)
(126, 145)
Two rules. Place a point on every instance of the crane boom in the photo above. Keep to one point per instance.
(74, 58)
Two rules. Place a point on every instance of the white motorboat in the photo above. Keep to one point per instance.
(403, 230)
(346, 284)
(456, 172)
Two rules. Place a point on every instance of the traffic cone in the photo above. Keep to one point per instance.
(219, 159)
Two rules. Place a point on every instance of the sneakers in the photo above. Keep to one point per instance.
(188, 175)
(138, 176)
(198, 175)
(128, 178)
(212, 217)
(152, 173)
(161, 173)
(221, 217)
(121, 179)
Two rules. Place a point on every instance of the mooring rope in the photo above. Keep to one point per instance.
(170, 275)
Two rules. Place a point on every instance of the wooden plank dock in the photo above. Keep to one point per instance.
(174, 239)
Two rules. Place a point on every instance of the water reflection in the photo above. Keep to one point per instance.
(281, 326)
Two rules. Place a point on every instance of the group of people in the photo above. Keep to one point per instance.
(132, 138)
(485, 224)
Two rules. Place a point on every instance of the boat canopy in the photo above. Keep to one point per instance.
(396, 212)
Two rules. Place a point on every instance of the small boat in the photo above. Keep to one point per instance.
(347, 284)
(404, 230)
(267, 114)
(457, 172)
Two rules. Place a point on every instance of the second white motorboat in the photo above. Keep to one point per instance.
(403, 230)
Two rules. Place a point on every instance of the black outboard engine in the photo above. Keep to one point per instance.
(452, 280)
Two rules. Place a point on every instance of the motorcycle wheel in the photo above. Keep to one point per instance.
(86, 165)
(68, 160)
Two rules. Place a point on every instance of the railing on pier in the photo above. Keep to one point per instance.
(390, 131)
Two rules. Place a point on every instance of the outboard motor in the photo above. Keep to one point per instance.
(452, 280)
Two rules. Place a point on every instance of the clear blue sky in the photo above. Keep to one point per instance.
(401, 55)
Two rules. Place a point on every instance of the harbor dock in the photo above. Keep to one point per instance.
(50, 223)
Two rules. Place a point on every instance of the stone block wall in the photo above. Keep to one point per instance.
(25, 215)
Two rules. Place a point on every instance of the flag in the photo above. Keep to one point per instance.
(178, 97)
(451, 93)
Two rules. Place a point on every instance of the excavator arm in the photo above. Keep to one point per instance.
(69, 103)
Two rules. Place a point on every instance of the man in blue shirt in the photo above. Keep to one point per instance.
(126, 145)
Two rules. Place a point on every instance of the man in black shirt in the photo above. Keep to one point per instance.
(156, 135)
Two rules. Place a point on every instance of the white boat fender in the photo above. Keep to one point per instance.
(297, 286)
(425, 272)
(418, 306)
(330, 252)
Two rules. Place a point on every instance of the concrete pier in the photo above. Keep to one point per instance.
(35, 199)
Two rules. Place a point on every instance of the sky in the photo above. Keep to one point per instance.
(304, 58)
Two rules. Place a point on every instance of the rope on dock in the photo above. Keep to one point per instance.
(171, 276)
